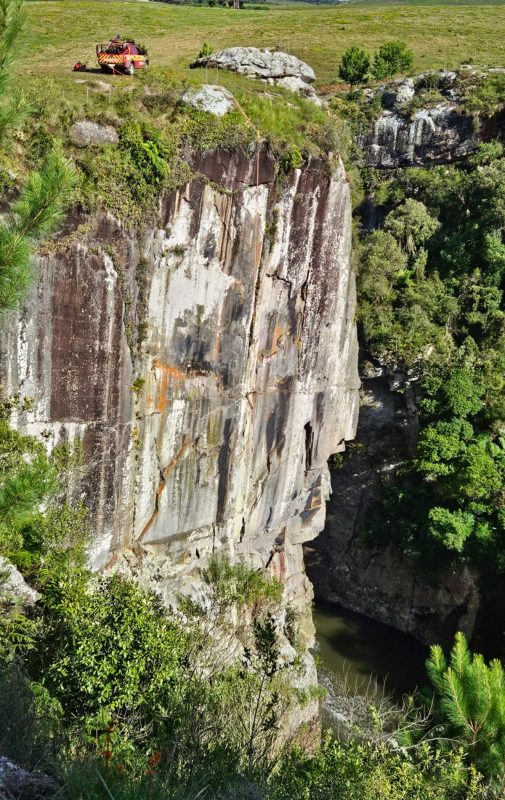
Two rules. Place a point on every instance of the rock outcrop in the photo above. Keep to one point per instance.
(207, 369)
(85, 133)
(431, 135)
(12, 584)
(378, 581)
(20, 784)
(409, 133)
(272, 66)
(213, 99)
(257, 63)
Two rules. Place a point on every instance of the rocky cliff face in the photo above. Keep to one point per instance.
(431, 135)
(207, 367)
(374, 581)
(409, 133)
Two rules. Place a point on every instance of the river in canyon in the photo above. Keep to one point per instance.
(357, 650)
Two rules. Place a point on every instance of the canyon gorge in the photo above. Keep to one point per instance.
(206, 369)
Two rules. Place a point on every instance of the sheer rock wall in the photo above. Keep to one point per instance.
(207, 367)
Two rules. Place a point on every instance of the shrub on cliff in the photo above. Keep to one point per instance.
(354, 65)
(391, 59)
(238, 584)
(110, 650)
(123, 676)
(351, 770)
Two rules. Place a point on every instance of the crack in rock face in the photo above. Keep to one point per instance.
(212, 430)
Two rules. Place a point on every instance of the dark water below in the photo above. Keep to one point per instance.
(356, 648)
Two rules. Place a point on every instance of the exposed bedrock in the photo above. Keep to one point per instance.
(431, 135)
(209, 368)
(272, 66)
(258, 63)
(376, 581)
(425, 120)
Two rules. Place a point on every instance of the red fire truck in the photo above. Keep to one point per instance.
(121, 56)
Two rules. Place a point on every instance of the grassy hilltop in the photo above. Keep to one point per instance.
(59, 33)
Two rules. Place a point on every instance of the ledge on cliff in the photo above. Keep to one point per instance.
(130, 142)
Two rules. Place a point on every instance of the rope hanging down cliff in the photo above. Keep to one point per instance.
(258, 142)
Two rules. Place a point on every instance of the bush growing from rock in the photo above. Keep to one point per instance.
(354, 66)
(390, 59)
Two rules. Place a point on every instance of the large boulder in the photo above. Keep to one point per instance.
(214, 99)
(85, 133)
(266, 64)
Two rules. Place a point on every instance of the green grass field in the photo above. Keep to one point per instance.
(59, 33)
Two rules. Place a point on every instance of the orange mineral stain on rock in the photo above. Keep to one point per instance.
(278, 333)
(165, 374)
(161, 487)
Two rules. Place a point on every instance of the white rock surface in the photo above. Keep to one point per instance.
(12, 582)
(300, 87)
(404, 91)
(259, 63)
(85, 133)
(214, 99)
(434, 134)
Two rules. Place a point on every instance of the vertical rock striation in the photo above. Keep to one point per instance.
(209, 368)
(435, 135)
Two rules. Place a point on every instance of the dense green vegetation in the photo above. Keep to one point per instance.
(113, 695)
(117, 697)
(118, 688)
(431, 288)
